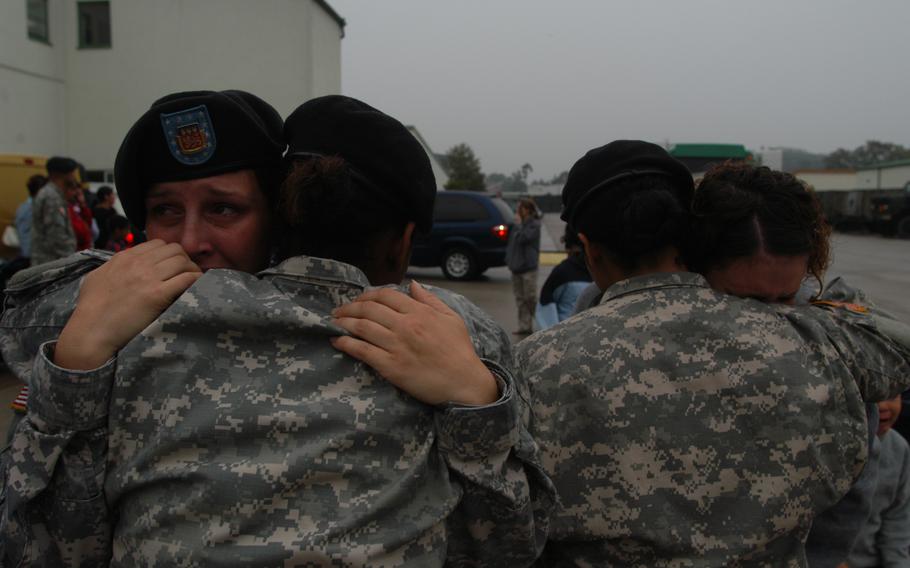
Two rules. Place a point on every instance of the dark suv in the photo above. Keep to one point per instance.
(470, 233)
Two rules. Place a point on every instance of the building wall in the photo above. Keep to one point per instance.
(81, 102)
(32, 83)
(178, 45)
(442, 178)
(325, 54)
(828, 181)
(883, 178)
(772, 158)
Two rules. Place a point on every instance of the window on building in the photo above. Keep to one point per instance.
(36, 12)
(94, 24)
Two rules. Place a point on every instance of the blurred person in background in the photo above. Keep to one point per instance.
(884, 540)
(102, 212)
(565, 283)
(522, 258)
(24, 215)
(118, 227)
(82, 221)
(52, 231)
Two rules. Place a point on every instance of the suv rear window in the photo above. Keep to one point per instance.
(458, 208)
(504, 209)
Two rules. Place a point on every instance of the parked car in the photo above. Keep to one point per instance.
(470, 233)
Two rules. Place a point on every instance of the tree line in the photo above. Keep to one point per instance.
(465, 173)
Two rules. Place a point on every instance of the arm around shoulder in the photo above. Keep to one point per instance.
(503, 515)
(54, 511)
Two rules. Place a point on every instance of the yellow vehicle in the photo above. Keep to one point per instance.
(15, 169)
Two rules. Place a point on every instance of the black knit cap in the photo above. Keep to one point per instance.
(381, 153)
(193, 135)
(618, 160)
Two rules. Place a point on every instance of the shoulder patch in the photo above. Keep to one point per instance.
(190, 135)
(857, 308)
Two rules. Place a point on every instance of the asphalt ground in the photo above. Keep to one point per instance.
(878, 265)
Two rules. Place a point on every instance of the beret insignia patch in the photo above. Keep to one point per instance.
(189, 135)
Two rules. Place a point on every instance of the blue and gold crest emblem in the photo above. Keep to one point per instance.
(189, 135)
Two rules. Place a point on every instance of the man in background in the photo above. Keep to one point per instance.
(103, 212)
(52, 233)
(24, 215)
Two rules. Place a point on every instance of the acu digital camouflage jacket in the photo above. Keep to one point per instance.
(234, 434)
(684, 427)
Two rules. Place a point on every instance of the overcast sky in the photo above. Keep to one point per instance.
(542, 82)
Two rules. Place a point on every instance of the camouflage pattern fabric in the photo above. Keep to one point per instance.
(684, 427)
(52, 232)
(39, 302)
(235, 435)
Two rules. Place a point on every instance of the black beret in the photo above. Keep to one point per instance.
(61, 165)
(193, 135)
(621, 159)
(378, 149)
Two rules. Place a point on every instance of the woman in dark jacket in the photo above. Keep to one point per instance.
(522, 257)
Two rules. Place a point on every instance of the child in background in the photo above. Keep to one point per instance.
(564, 284)
(118, 229)
(885, 540)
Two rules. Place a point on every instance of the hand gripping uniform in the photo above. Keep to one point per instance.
(236, 435)
(684, 427)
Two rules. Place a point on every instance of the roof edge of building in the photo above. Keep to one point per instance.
(824, 171)
(333, 14)
(885, 165)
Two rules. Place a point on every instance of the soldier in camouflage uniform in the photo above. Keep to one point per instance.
(52, 231)
(762, 234)
(682, 427)
(238, 436)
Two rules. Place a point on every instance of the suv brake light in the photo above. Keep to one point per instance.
(501, 232)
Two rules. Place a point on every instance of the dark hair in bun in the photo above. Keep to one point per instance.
(326, 210)
(636, 218)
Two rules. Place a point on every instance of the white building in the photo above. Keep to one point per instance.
(838, 179)
(74, 76)
(442, 178)
(536, 189)
(885, 176)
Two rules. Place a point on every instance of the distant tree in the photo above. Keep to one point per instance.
(516, 182)
(495, 181)
(871, 153)
(525, 169)
(463, 168)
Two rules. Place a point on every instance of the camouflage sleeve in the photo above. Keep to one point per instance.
(838, 293)
(503, 515)
(53, 510)
(835, 530)
(870, 345)
(56, 228)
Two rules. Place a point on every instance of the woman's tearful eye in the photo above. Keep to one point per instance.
(226, 210)
(163, 212)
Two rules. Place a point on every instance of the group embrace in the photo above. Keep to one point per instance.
(255, 386)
